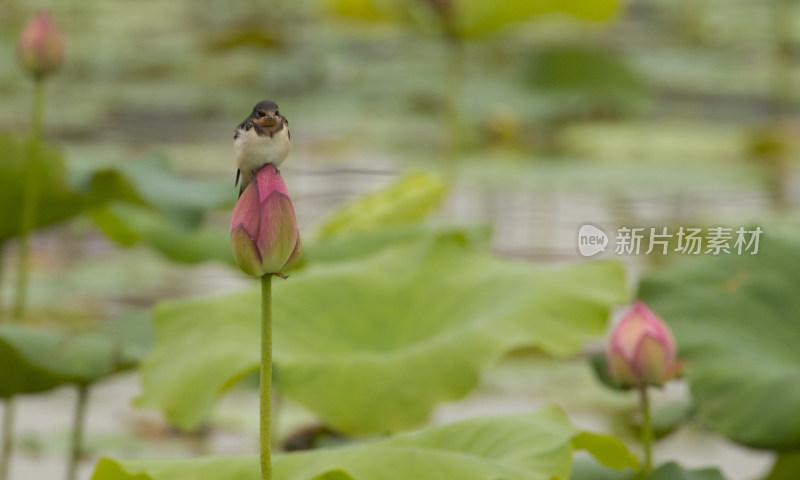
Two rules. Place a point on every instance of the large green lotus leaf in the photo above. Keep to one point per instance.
(405, 201)
(473, 18)
(35, 359)
(737, 323)
(373, 344)
(55, 201)
(514, 447)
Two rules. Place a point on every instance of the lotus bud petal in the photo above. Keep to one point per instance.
(264, 233)
(40, 47)
(641, 350)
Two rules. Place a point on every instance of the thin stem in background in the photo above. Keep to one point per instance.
(454, 85)
(781, 99)
(782, 56)
(78, 425)
(266, 377)
(692, 13)
(27, 222)
(647, 430)
(29, 200)
(8, 438)
(2, 276)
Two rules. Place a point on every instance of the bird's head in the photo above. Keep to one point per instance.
(266, 114)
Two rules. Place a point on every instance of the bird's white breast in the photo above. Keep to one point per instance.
(253, 151)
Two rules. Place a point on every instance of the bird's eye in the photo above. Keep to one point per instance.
(277, 112)
(261, 114)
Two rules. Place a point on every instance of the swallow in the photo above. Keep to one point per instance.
(263, 137)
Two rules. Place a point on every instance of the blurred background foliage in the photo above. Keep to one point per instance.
(497, 126)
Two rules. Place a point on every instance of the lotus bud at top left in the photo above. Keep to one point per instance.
(40, 48)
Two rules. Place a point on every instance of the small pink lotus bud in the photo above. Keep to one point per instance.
(264, 231)
(641, 350)
(40, 47)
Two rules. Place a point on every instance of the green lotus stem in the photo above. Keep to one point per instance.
(780, 96)
(781, 74)
(647, 430)
(29, 199)
(2, 271)
(27, 223)
(277, 410)
(266, 377)
(78, 424)
(8, 438)
(454, 84)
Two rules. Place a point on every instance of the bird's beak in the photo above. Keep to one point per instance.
(271, 116)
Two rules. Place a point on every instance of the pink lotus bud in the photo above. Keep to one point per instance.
(264, 231)
(40, 47)
(641, 350)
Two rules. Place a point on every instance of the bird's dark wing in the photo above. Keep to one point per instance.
(238, 177)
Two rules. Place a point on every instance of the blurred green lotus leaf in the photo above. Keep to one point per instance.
(479, 17)
(673, 471)
(532, 446)
(179, 202)
(588, 468)
(129, 224)
(347, 247)
(786, 466)
(599, 364)
(670, 417)
(615, 178)
(150, 181)
(608, 450)
(373, 344)
(358, 9)
(470, 18)
(145, 200)
(36, 359)
(407, 200)
(56, 202)
(587, 79)
(737, 323)
(592, 469)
